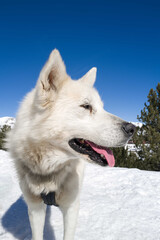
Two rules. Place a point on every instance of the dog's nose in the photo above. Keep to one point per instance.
(128, 128)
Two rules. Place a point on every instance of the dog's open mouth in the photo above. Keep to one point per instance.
(101, 155)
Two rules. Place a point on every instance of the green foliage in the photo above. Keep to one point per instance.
(146, 138)
(124, 158)
(3, 132)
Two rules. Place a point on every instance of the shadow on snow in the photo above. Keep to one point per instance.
(16, 222)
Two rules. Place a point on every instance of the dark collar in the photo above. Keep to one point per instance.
(49, 198)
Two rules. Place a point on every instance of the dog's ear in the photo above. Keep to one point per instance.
(90, 77)
(51, 78)
(53, 72)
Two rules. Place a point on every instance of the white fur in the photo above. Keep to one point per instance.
(49, 116)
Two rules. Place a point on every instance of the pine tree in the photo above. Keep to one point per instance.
(126, 159)
(3, 132)
(148, 137)
(121, 156)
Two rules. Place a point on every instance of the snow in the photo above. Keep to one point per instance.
(9, 121)
(116, 204)
(137, 124)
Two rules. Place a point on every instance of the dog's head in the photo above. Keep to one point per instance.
(73, 115)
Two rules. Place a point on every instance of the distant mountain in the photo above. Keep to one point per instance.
(9, 121)
(137, 124)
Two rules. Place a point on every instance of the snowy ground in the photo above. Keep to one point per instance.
(116, 204)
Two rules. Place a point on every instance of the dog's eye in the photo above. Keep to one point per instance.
(87, 107)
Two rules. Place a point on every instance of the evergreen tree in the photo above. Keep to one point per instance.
(3, 132)
(125, 158)
(121, 156)
(148, 137)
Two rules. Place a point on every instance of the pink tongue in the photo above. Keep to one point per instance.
(106, 152)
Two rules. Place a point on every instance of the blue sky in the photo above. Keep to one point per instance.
(121, 38)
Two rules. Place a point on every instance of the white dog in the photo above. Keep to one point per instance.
(60, 124)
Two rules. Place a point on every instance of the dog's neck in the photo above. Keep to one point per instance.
(46, 183)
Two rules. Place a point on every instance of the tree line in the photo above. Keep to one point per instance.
(146, 138)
